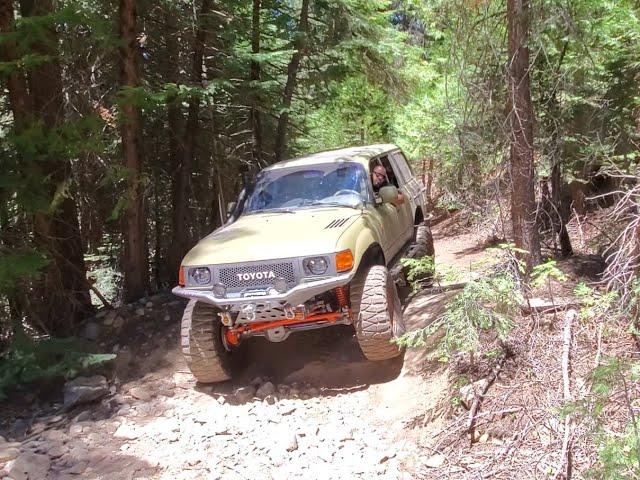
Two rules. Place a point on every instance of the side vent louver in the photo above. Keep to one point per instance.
(337, 223)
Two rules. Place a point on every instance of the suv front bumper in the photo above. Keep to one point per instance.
(294, 297)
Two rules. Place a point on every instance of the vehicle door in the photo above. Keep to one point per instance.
(406, 210)
(389, 213)
(414, 185)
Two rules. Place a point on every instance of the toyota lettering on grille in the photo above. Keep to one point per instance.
(245, 277)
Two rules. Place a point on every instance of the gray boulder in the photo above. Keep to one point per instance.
(84, 390)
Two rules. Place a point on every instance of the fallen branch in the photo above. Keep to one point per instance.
(542, 306)
(563, 471)
(473, 411)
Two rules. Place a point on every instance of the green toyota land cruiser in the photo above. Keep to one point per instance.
(309, 244)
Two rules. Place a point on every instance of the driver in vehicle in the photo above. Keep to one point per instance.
(380, 179)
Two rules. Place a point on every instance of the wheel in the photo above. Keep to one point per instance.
(205, 350)
(379, 317)
(422, 247)
(424, 241)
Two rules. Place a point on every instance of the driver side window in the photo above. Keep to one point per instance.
(384, 161)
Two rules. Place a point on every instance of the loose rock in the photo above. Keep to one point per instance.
(435, 461)
(127, 432)
(244, 394)
(141, 393)
(267, 388)
(84, 390)
(9, 451)
(30, 466)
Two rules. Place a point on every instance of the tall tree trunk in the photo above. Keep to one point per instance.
(63, 292)
(182, 221)
(174, 121)
(256, 127)
(300, 45)
(523, 205)
(135, 261)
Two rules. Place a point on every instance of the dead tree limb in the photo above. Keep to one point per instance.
(564, 468)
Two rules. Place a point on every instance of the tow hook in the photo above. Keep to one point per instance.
(249, 311)
(289, 312)
(225, 318)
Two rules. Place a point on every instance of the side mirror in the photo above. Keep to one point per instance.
(389, 194)
(231, 206)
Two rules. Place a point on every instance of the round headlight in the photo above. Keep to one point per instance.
(316, 265)
(200, 275)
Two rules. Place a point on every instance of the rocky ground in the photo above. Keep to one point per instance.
(311, 407)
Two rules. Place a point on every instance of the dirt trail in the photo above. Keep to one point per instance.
(321, 411)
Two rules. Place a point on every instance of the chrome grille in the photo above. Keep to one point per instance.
(256, 275)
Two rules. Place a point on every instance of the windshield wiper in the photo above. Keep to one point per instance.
(275, 210)
(329, 204)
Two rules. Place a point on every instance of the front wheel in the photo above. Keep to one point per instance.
(205, 350)
(379, 319)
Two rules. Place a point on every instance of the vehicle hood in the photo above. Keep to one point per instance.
(267, 236)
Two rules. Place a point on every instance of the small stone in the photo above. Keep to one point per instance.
(141, 393)
(149, 305)
(124, 409)
(127, 432)
(167, 318)
(244, 394)
(139, 312)
(221, 400)
(292, 444)
(57, 451)
(78, 468)
(270, 399)
(30, 466)
(83, 416)
(9, 451)
(75, 430)
(435, 461)
(387, 456)
(257, 381)
(265, 389)
(84, 390)
(314, 392)
(484, 438)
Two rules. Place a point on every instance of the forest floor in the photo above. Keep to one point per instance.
(311, 407)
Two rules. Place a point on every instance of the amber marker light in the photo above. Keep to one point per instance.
(181, 280)
(344, 261)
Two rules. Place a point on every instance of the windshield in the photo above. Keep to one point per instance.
(343, 184)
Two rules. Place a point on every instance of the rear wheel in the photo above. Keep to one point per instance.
(204, 347)
(379, 318)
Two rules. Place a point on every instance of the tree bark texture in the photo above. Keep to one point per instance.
(174, 121)
(256, 124)
(300, 45)
(61, 295)
(181, 194)
(135, 262)
(523, 205)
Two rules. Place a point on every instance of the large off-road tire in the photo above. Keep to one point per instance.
(424, 241)
(379, 319)
(202, 344)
